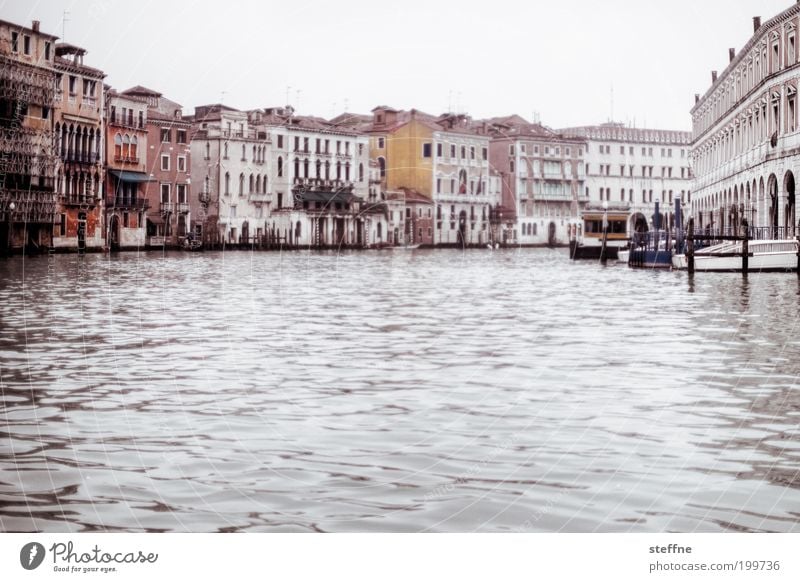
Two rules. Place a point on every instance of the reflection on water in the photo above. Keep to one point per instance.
(395, 391)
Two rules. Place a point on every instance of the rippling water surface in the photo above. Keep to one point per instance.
(395, 391)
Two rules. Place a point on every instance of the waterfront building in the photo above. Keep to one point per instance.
(745, 133)
(127, 173)
(444, 159)
(230, 176)
(637, 167)
(542, 175)
(79, 142)
(321, 181)
(27, 142)
(169, 166)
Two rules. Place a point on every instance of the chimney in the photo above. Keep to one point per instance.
(756, 23)
(713, 76)
(35, 26)
(697, 98)
(731, 53)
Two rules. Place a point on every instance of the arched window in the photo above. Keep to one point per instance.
(338, 170)
(252, 183)
(126, 146)
(382, 166)
(255, 157)
(280, 166)
(241, 184)
(305, 168)
(226, 151)
(258, 183)
(319, 169)
(227, 183)
(462, 181)
(347, 171)
(134, 147)
(360, 172)
(244, 152)
(264, 185)
(208, 151)
(297, 167)
(117, 146)
(297, 230)
(327, 170)
(380, 231)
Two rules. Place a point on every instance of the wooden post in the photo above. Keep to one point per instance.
(690, 247)
(745, 247)
(603, 251)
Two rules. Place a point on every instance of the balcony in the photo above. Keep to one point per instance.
(126, 159)
(259, 197)
(80, 157)
(322, 184)
(78, 200)
(128, 203)
(166, 208)
(182, 208)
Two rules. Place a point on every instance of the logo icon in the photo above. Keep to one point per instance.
(31, 555)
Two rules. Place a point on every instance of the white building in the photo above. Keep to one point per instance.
(747, 136)
(638, 166)
(231, 169)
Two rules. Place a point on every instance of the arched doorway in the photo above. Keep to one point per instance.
(462, 228)
(639, 223)
(789, 216)
(113, 233)
(772, 197)
(551, 235)
(81, 231)
(245, 232)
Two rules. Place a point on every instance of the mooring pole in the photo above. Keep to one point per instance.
(690, 247)
(745, 247)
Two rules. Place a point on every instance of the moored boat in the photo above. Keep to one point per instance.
(763, 255)
(604, 232)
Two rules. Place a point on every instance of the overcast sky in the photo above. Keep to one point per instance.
(557, 59)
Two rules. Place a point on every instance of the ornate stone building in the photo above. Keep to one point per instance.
(746, 137)
(27, 141)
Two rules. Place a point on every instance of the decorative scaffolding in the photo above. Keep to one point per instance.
(27, 154)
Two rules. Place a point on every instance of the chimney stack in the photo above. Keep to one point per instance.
(713, 76)
(756, 23)
(35, 26)
(731, 54)
(696, 98)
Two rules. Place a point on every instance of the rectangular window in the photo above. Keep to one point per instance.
(280, 141)
(181, 193)
(125, 219)
(511, 149)
(165, 162)
(47, 50)
(381, 143)
(14, 42)
(164, 193)
(62, 227)
(72, 82)
(181, 163)
(472, 153)
(438, 185)
(485, 154)
(165, 135)
(305, 144)
(181, 136)
(426, 150)
(26, 44)
(439, 151)
(141, 119)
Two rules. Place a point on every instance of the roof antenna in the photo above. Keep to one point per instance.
(288, 88)
(64, 20)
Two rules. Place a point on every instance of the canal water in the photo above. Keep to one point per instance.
(395, 391)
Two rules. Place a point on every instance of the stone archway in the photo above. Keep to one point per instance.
(789, 214)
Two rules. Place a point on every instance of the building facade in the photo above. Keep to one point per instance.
(543, 180)
(169, 166)
(444, 159)
(28, 158)
(230, 176)
(127, 175)
(80, 142)
(640, 167)
(746, 137)
(321, 180)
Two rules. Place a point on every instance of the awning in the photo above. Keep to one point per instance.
(132, 177)
(156, 219)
